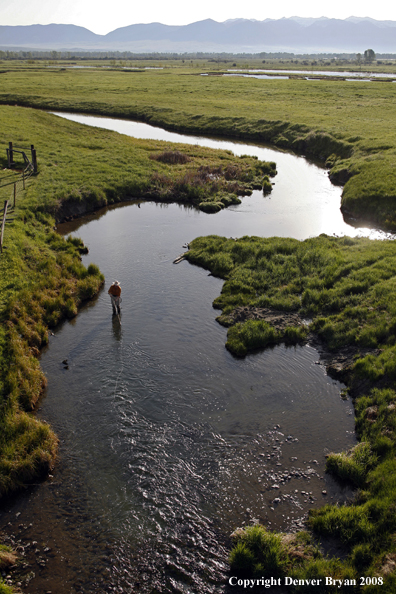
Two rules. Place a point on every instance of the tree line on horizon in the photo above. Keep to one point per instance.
(367, 57)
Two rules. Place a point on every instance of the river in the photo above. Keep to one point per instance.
(167, 442)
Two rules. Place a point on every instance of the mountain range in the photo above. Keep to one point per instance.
(294, 34)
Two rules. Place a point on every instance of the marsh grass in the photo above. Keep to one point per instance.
(4, 589)
(7, 557)
(171, 157)
(352, 466)
(258, 334)
(259, 553)
(345, 285)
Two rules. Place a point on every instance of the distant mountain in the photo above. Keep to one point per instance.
(295, 34)
(45, 35)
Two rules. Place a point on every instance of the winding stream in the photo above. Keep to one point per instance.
(167, 442)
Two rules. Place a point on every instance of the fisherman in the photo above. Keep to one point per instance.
(115, 296)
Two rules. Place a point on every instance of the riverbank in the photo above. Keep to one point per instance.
(340, 289)
(42, 283)
(347, 125)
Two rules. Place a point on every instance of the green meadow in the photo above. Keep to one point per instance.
(348, 125)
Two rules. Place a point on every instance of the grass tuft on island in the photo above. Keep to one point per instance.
(342, 290)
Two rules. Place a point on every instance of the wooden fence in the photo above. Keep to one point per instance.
(16, 180)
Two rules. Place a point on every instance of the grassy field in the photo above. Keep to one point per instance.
(207, 63)
(349, 125)
(346, 287)
(84, 167)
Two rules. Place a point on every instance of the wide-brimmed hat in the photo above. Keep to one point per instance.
(116, 283)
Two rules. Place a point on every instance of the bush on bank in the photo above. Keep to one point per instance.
(346, 288)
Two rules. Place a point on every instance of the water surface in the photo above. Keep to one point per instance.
(312, 72)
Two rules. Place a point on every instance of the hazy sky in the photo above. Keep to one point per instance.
(102, 17)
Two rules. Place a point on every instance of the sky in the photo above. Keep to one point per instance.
(101, 17)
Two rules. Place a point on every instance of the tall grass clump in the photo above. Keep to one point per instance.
(258, 552)
(354, 465)
(4, 588)
(261, 554)
(171, 157)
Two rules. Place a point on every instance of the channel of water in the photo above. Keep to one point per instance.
(167, 442)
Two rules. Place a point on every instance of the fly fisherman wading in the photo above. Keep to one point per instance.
(115, 296)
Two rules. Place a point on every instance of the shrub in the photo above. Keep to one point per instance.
(211, 207)
(267, 186)
(258, 552)
(362, 556)
(354, 465)
(171, 157)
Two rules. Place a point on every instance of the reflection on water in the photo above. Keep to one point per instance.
(167, 442)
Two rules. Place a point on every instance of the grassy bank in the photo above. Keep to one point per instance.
(351, 125)
(42, 283)
(346, 288)
(7, 559)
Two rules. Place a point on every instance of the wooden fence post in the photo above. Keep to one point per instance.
(34, 158)
(10, 155)
(2, 225)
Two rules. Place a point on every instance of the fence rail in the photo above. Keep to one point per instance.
(18, 180)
